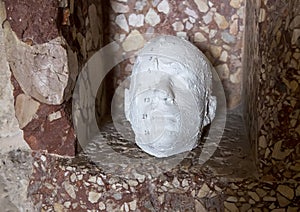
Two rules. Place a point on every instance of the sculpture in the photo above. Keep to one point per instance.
(170, 96)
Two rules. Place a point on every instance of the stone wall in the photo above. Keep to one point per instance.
(40, 62)
(8, 123)
(273, 89)
(216, 27)
(46, 45)
(58, 37)
(11, 136)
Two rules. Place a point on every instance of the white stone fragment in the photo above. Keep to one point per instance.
(175, 182)
(26, 109)
(121, 21)
(262, 15)
(212, 33)
(161, 92)
(67, 204)
(207, 18)
(178, 26)
(58, 207)
(202, 5)
(215, 51)
(134, 41)
(224, 56)
(204, 29)
(155, 2)
(136, 20)
(43, 158)
(182, 35)
(99, 181)
(199, 37)
(126, 207)
(228, 38)
(295, 36)
(94, 196)
(133, 205)
(92, 179)
(188, 25)
(8, 122)
(221, 21)
(164, 7)
(235, 4)
(203, 192)
(119, 7)
(192, 20)
(191, 13)
(132, 183)
(54, 116)
(69, 189)
(152, 17)
(41, 70)
(185, 183)
(140, 4)
(102, 206)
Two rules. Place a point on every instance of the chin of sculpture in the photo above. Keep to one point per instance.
(169, 100)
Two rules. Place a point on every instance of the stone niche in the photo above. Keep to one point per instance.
(254, 47)
(47, 44)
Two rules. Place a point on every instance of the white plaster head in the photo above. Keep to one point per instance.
(169, 100)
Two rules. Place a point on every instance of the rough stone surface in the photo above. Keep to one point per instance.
(202, 5)
(8, 122)
(205, 23)
(43, 73)
(76, 184)
(46, 74)
(178, 26)
(272, 94)
(121, 21)
(136, 20)
(134, 41)
(164, 7)
(55, 137)
(94, 24)
(33, 23)
(26, 109)
(194, 190)
(273, 123)
(199, 37)
(15, 172)
(152, 17)
(221, 21)
(119, 7)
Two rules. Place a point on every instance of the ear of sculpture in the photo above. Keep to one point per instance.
(210, 110)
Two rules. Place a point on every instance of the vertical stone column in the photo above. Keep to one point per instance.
(44, 70)
(46, 44)
(10, 134)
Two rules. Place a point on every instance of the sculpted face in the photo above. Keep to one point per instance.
(169, 100)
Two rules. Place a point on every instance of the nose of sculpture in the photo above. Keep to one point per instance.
(169, 100)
